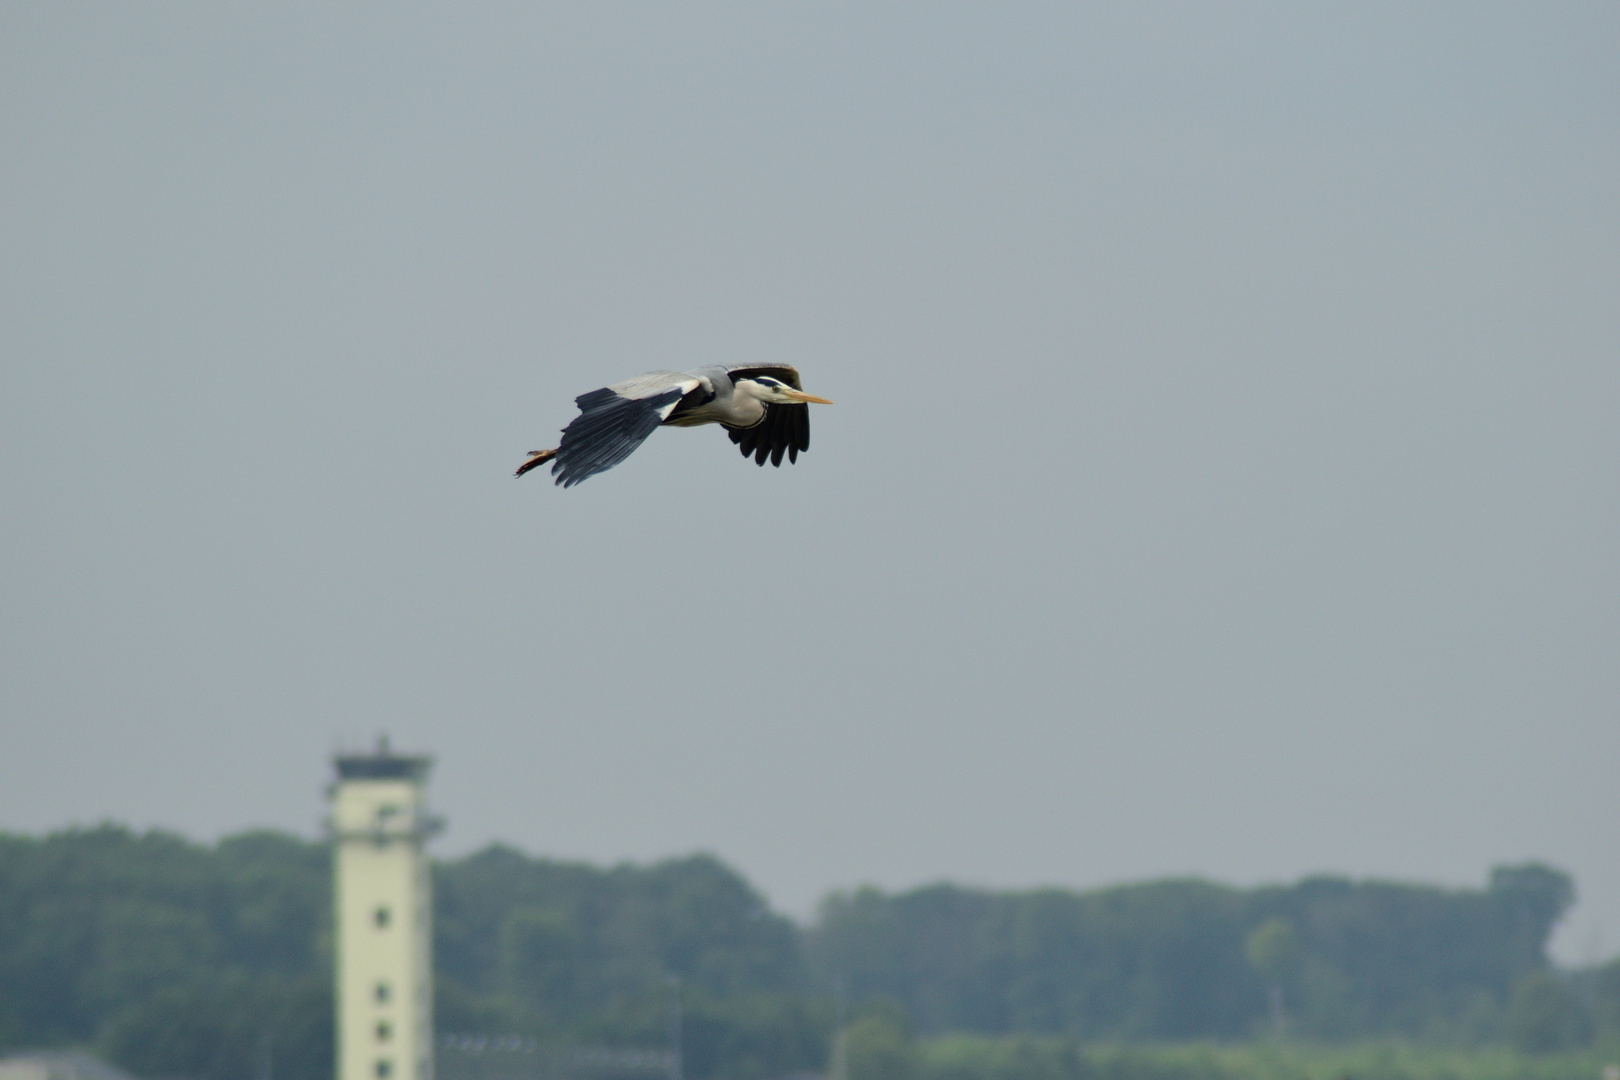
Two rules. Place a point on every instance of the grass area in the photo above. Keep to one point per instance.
(1029, 1058)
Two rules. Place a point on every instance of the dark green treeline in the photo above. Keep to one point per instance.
(1170, 959)
(177, 959)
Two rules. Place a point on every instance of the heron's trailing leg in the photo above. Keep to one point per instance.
(536, 457)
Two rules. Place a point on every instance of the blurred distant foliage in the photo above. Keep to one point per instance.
(543, 944)
(570, 952)
(171, 958)
(1544, 1016)
(1177, 959)
(1599, 991)
(1047, 1057)
(183, 960)
(1272, 949)
(1034, 1057)
(176, 959)
(880, 1045)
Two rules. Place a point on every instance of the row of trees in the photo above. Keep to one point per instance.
(172, 958)
(1190, 959)
(183, 960)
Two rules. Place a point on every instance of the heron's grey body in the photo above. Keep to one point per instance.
(761, 405)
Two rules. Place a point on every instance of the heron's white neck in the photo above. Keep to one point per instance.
(746, 407)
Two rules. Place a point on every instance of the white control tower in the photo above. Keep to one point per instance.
(383, 916)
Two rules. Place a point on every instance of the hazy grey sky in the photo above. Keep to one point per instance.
(1223, 479)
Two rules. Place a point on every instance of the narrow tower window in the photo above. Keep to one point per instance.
(382, 993)
(381, 917)
(385, 1031)
(385, 1069)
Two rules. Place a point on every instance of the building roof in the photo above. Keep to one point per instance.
(58, 1065)
(383, 764)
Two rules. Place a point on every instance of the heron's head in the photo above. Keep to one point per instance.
(776, 392)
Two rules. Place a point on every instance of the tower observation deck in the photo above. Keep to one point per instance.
(379, 826)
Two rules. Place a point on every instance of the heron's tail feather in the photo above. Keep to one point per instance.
(536, 457)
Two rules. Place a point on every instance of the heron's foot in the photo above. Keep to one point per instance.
(536, 457)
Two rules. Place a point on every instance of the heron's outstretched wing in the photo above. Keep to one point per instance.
(614, 420)
(785, 428)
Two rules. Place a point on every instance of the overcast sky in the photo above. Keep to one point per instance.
(1224, 477)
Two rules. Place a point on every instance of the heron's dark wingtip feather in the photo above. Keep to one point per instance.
(784, 429)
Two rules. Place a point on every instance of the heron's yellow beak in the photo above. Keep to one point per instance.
(800, 395)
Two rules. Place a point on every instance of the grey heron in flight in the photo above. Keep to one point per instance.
(761, 406)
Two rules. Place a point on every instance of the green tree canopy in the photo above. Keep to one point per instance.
(1273, 950)
(1188, 959)
(182, 959)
